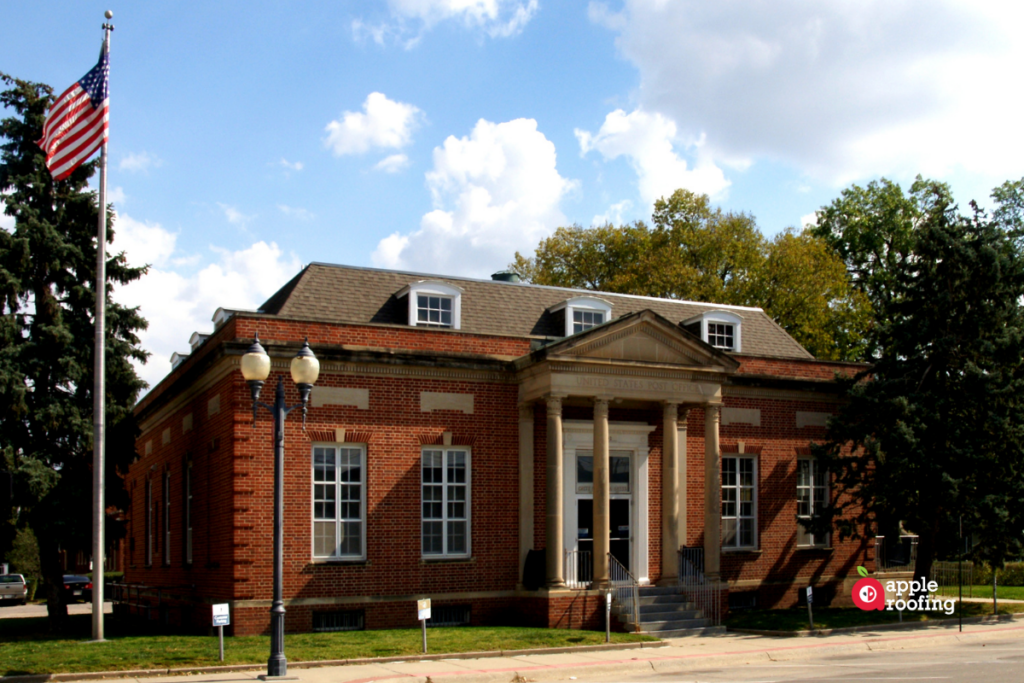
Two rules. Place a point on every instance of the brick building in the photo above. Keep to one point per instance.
(459, 424)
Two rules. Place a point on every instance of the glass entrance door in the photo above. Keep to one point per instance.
(619, 518)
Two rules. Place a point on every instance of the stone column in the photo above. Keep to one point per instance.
(525, 484)
(684, 414)
(602, 488)
(669, 495)
(712, 493)
(555, 545)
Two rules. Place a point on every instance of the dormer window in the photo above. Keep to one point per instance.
(720, 329)
(582, 313)
(433, 304)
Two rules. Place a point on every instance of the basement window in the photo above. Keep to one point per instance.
(449, 615)
(346, 620)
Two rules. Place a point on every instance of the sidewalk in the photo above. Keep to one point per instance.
(679, 655)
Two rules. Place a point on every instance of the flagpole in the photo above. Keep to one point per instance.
(99, 388)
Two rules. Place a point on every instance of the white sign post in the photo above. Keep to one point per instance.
(423, 613)
(810, 601)
(221, 618)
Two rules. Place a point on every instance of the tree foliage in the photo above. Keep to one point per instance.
(935, 429)
(47, 280)
(697, 252)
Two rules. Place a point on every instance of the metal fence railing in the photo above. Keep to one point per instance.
(579, 569)
(896, 555)
(626, 589)
(947, 575)
(705, 594)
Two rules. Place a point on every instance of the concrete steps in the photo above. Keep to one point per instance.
(665, 613)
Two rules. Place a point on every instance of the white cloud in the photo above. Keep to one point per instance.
(141, 162)
(291, 165)
(6, 222)
(614, 214)
(116, 196)
(809, 220)
(496, 191)
(410, 19)
(840, 90)
(234, 216)
(647, 140)
(392, 164)
(382, 123)
(178, 296)
(296, 212)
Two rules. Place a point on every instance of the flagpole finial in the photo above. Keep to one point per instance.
(108, 14)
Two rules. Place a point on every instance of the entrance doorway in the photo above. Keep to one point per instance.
(618, 516)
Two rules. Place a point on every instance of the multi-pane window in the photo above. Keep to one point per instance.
(584, 320)
(149, 523)
(445, 477)
(811, 498)
(188, 513)
(167, 518)
(433, 311)
(339, 502)
(739, 504)
(721, 335)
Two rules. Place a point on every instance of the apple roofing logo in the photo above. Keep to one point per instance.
(868, 593)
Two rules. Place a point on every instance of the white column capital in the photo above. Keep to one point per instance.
(600, 407)
(554, 405)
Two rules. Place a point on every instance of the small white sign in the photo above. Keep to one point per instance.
(423, 609)
(222, 614)
(810, 595)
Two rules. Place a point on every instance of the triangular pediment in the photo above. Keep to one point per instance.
(641, 337)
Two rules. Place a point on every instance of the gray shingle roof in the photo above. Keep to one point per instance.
(347, 294)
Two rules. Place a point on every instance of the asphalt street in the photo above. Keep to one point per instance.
(1000, 661)
(22, 611)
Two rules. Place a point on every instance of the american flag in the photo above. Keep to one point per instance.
(78, 120)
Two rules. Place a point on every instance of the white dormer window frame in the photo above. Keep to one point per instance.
(717, 328)
(583, 313)
(444, 294)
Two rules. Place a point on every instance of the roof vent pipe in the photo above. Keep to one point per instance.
(505, 276)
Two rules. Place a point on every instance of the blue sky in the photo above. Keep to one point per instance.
(250, 138)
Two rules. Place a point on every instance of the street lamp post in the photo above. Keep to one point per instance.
(305, 369)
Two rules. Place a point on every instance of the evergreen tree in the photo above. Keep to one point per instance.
(935, 428)
(47, 289)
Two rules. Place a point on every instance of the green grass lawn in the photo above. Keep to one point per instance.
(26, 649)
(1005, 592)
(841, 617)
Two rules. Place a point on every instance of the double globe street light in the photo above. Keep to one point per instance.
(305, 369)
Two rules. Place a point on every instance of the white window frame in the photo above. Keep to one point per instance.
(446, 452)
(187, 521)
(817, 496)
(149, 522)
(433, 288)
(583, 304)
(738, 487)
(719, 317)
(167, 519)
(338, 519)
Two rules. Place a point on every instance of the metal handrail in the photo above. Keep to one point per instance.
(626, 589)
(579, 569)
(903, 559)
(704, 593)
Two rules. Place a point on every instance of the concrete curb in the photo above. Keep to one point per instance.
(909, 625)
(228, 668)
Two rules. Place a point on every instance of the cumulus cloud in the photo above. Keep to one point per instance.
(140, 162)
(6, 222)
(840, 90)
(392, 164)
(181, 292)
(382, 123)
(410, 19)
(495, 191)
(614, 214)
(116, 195)
(647, 139)
(291, 165)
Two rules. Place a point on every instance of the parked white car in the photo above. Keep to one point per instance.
(13, 587)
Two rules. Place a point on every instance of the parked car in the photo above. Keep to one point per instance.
(13, 587)
(77, 588)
